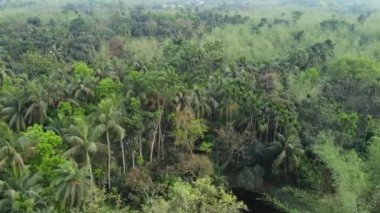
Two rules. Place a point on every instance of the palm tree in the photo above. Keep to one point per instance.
(4, 73)
(6, 134)
(36, 112)
(82, 140)
(9, 156)
(108, 117)
(83, 88)
(289, 157)
(181, 101)
(8, 153)
(20, 191)
(71, 185)
(121, 133)
(202, 103)
(54, 88)
(13, 111)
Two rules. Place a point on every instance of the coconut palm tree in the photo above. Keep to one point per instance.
(4, 73)
(70, 185)
(6, 134)
(20, 191)
(289, 157)
(82, 141)
(9, 156)
(202, 103)
(14, 107)
(108, 116)
(181, 101)
(83, 88)
(36, 112)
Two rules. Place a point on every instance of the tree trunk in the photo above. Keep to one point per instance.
(298, 178)
(161, 140)
(152, 143)
(156, 130)
(275, 132)
(285, 169)
(123, 155)
(133, 159)
(266, 140)
(109, 159)
(90, 168)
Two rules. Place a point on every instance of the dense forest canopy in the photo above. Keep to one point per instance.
(189, 106)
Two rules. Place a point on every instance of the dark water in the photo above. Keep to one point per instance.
(256, 202)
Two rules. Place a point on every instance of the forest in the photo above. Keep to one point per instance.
(189, 106)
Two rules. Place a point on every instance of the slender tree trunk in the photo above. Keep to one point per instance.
(123, 155)
(140, 140)
(226, 114)
(298, 178)
(161, 140)
(286, 170)
(190, 148)
(266, 140)
(109, 159)
(275, 132)
(133, 159)
(90, 168)
(155, 134)
(153, 142)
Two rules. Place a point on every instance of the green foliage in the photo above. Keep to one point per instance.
(90, 90)
(296, 15)
(349, 122)
(81, 70)
(334, 25)
(71, 184)
(194, 166)
(360, 76)
(199, 196)
(107, 87)
(48, 157)
(289, 158)
(20, 191)
(345, 168)
(140, 160)
(359, 69)
(188, 130)
(206, 147)
(374, 159)
(304, 85)
(36, 64)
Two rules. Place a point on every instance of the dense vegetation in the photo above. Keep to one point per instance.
(113, 107)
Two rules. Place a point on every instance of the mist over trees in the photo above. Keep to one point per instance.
(189, 106)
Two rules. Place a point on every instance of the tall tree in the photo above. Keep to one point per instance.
(108, 116)
(289, 157)
(82, 140)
